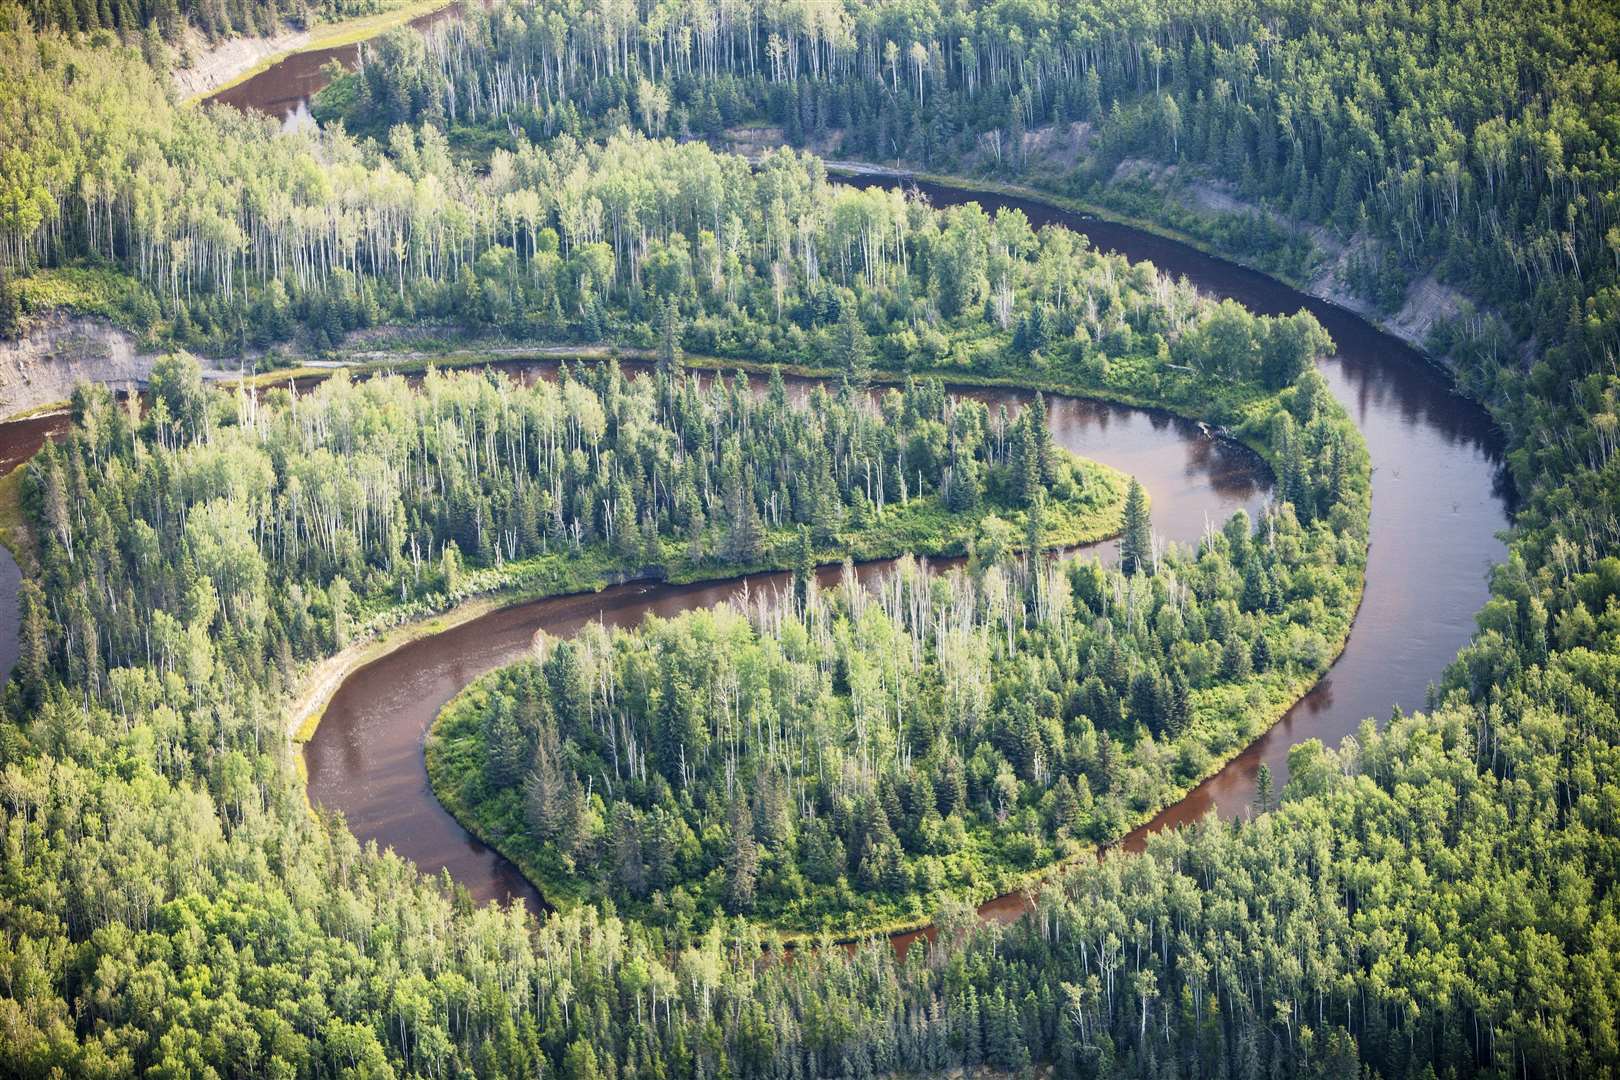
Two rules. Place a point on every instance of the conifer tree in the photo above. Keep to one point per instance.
(1262, 789)
(669, 338)
(804, 569)
(508, 749)
(34, 658)
(742, 860)
(1136, 542)
(10, 313)
(851, 349)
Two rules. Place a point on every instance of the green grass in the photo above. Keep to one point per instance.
(83, 290)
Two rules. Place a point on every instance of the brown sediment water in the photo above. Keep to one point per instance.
(1440, 498)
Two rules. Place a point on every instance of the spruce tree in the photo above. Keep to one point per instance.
(852, 349)
(1136, 542)
(628, 865)
(1034, 524)
(804, 569)
(10, 313)
(1178, 707)
(669, 339)
(34, 644)
(742, 861)
(1262, 789)
(507, 751)
(1146, 708)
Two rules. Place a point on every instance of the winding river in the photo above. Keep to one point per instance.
(1440, 498)
(365, 758)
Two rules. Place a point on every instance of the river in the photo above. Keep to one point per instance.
(1440, 499)
(19, 439)
(283, 89)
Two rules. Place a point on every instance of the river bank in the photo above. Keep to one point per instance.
(1054, 152)
(366, 756)
(219, 67)
(1428, 302)
(579, 574)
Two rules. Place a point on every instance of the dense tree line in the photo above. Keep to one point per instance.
(274, 237)
(195, 555)
(258, 533)
(848, 759)
(154, 21)
(1461, 138)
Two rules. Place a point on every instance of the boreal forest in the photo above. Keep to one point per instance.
(782, 539)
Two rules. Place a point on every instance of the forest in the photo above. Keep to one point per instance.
(309, 521)
(1463, 140)
(1434, 896)
(649, 244)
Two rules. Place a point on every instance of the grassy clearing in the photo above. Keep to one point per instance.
(14, 531)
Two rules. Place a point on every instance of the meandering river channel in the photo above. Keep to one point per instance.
(1440, 498)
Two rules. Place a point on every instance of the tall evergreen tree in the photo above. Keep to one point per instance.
(1263, 794)
(1136, 541)
(669, 338)
(852, 350)
(742, 858)
(804, 569)
(10, 312)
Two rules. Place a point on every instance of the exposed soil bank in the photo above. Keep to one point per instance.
(282, 87)
(212, 66)
(42, 367)
(236, 60)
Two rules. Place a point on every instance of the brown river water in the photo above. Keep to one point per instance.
(1440, 499)
(284, 88)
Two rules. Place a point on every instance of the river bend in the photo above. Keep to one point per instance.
(1440, 499)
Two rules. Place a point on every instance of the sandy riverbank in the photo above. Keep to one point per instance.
(213, 67)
